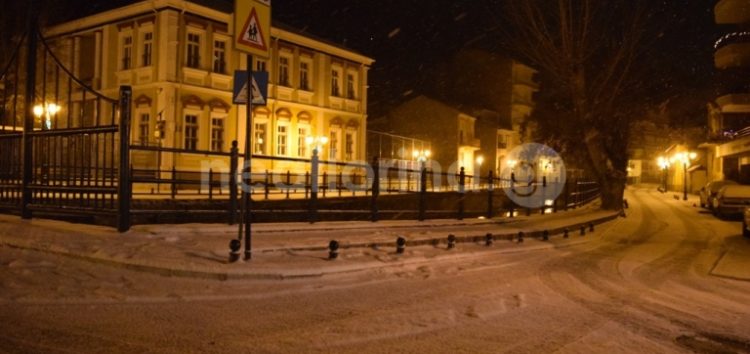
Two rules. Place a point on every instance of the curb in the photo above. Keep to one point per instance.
(223, 276)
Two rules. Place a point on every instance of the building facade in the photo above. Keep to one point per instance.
(728, 149)
(179, 58)
(450, 132)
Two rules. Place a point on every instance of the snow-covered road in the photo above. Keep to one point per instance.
(641, 283)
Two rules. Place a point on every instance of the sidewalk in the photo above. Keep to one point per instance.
(286, 250)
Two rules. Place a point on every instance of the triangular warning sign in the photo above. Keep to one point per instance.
(252, 33)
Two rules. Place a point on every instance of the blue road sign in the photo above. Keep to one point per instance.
(260, 87)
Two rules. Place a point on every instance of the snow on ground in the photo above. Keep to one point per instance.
(638, 284)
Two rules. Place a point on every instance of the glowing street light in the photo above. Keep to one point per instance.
(47, 112)
(684, 158)
(421, 155)
(316, 142)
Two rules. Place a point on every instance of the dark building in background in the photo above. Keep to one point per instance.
(475, 110)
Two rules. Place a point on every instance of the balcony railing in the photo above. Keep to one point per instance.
(732, 38)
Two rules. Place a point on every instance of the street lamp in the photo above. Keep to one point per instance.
(512, 165)
(422, 156)
(478, 172)
(684, 158)
(47, 111)
(663, 163)
(316, 142)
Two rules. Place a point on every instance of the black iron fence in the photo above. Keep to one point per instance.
(345, 191)
(61, 148)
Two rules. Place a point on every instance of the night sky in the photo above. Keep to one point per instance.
(407, 38)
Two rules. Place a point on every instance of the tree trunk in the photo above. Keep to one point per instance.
(612, 189)
(611, 180)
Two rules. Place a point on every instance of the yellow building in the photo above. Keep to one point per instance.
(179, 58)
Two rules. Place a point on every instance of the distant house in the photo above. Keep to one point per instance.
(451, 132)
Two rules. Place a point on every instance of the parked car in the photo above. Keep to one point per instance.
(708, 192)
(746, 222)
(731, 199)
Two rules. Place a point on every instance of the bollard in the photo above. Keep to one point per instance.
(234, 250)
(451, 241)
(400, 245)
(520, 236)
(591, 227)
(545, 235)
(333, 249)
(566, 232)
(489, 239)
(583, 230)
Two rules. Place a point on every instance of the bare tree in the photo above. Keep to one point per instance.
(587, 50)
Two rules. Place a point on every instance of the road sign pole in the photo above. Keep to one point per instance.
(247, 170)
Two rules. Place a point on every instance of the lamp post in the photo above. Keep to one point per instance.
(512, 165)
(421, 156)
(46, 112)
(684, 158)
(663, 163)
(478, 171)
(316, 142)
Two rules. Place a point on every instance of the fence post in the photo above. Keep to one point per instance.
(265, 184)
(174, 182)
(233, 164)
(307, 183)
(28, 123)
(210, 184)
(325, 183)
(461, 193)
(288, 182)
(375, 189)
(422, 192)
(123, 185)
(490, 189)
(340, 183)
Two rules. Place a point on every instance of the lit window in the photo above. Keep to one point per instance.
(220, 62)
(349, 146)
(284, 71)
(260, 138)
(217, 134)
(194, 50)
(335, 83)
(301, 142)
(143, 129)
(350, 93)
(148, 45)
(127, 52)
(260, 65)
(304, 82)
(334, 143)
(281, 140)
(191, 132)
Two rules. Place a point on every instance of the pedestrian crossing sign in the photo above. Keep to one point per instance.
(252, 23)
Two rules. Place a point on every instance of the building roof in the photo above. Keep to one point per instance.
(222, 6)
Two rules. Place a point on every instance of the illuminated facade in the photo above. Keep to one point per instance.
(728, 150)
(179, 58)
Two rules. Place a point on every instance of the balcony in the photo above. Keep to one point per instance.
(469, 142)
(732, 12)
(732, 50)
(733, 55)
(734, 103)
